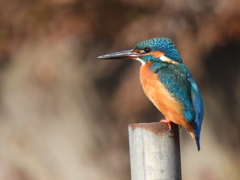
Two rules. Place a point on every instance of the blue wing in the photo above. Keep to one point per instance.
(198, 109)
(179, 82)
(195, 112)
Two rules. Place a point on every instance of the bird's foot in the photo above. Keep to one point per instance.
(180, 127)
(168, 123)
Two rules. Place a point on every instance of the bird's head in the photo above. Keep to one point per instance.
(160, 50)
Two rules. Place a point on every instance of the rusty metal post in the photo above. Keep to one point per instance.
(154, 151)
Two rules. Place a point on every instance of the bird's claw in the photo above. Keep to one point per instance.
(168, 123)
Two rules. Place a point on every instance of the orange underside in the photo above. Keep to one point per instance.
(161, 98)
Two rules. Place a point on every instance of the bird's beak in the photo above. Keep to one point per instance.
(128, 54)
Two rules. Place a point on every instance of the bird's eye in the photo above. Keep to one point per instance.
(147, 49)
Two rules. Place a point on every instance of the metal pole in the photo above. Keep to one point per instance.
(154, 151)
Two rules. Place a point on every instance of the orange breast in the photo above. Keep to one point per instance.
(161, 98)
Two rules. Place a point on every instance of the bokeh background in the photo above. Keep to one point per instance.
(64, 113)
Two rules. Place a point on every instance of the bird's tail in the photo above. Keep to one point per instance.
(196, 138)
(198, 142)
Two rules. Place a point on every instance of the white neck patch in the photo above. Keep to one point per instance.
(166, 59)
(162, 58)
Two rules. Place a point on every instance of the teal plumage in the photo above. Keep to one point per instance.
(160, 44)
(179, 82)
(161, 62)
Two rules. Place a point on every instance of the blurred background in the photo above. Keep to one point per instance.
(64, 113)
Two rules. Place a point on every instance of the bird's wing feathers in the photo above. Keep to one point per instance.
(197, 102)
(197, 105)
(180, 83)
(198, 109)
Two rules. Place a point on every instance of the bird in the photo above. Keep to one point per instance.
(167, 83)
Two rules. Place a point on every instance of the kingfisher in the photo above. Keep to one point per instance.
(168, 83)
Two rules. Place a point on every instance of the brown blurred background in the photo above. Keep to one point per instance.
(64, 113)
